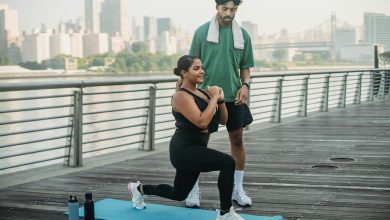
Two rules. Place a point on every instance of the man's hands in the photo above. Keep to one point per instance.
(241, 96)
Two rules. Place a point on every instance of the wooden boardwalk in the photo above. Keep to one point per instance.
(290, 171)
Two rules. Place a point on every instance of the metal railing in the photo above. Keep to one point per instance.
(50, 122)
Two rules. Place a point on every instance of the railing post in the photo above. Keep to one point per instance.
(277, 107)
(325, 95)
(343, 92)
(382, 86)
(370, 96)
(150, 126)
(358, 90)
(303, 101)
(75, 158)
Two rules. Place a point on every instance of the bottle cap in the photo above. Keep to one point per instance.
(72, 198)
(88, 195)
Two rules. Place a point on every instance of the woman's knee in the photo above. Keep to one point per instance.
(230, 163)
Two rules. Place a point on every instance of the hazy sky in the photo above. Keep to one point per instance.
(270, 15)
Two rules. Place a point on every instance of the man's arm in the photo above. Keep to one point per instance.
(243, 92)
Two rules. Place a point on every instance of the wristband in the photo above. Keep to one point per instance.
(246, 84)
(220, 102)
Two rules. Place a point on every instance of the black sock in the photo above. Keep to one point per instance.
(139, 188)
(223, 212)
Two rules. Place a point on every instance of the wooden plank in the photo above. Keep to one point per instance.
(279, 174)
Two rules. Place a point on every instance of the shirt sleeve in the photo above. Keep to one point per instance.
(247, 60)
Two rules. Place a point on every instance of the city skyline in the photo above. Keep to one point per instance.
(270, 17)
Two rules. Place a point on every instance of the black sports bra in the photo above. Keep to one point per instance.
(183, 123)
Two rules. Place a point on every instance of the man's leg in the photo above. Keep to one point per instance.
(238, 154)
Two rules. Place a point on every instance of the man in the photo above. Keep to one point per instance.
(226, 52)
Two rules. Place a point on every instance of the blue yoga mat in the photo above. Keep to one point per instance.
(114, 209)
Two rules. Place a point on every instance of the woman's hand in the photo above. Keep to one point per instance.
(214, 91)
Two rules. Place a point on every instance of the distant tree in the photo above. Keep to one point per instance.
(279, 54)
(139, 47)
(34, 65)
(4, 61)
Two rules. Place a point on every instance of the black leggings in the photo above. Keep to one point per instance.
(190, 156)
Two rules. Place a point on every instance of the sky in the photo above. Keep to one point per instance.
(270, 15)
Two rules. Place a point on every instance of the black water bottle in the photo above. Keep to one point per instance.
(89, 209)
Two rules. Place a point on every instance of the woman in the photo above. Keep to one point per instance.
(197, 114)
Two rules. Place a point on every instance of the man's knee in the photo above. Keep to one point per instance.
(236, 138)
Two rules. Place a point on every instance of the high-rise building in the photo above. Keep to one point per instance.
(95, 44)
(377, 29)
(10, 41)
(167, 43)
(36, 47)
(113, 18)
(164, 24)
(92, 16)
(76, 43)
(150, 28)
(60, 44)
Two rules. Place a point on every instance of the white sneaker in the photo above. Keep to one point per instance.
(231, 215)
(136, 197)
(241, 198)
(192, 200)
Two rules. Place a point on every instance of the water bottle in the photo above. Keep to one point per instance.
(73, 208)
(89, 209)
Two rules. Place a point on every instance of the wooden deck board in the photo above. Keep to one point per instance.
(279, 175)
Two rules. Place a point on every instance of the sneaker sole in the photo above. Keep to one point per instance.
(245, 205)
(193, 207)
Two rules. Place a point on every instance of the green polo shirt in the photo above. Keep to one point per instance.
(222, 62)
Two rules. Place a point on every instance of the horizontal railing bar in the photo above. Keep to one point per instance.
(83, 83)
(262, 112)
(164, 113)
(291, 96)
(114, 101)
(115, 119)
(288, 102)
(164, 97)
(254, 95)
(113, 129)
(35, 109)
(33, 98)
(111, 147)
(36, 151)
(35, 141)
(115, 110)
(163, 105)
(262, 118)
(313, 103)
(166, 129)
(315, 83)
(114, 92)
(262, 100)
(290, 107)
(35, 130)
(262, 106)
(287, 90)
(315, 93)
(165, 121)
(111, 138)
(31, 163)
(35, 119)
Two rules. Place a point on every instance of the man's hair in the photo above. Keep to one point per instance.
(221, 2)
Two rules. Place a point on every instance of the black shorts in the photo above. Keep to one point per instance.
(239, 116)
